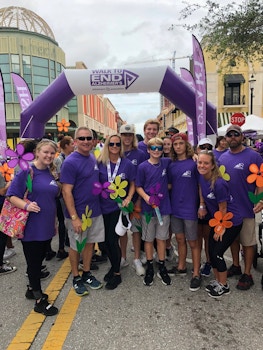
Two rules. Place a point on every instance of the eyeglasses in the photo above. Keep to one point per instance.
(83, 138)
(233, 133)
(117, 144)
(209, 147)
(154, 148)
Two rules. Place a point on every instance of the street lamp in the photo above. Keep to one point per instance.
(251, 81)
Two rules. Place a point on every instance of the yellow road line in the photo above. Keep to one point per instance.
(31, 326)
(60, 329)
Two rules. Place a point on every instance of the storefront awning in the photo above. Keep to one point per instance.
(234, 79)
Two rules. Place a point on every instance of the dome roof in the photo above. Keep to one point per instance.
(23, 19)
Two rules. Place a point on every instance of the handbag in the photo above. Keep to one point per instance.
(13, 219)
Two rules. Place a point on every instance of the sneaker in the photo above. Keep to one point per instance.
(79, 286)
(109, 275)
(50, 255)
(5, 269)
(169, 254)
(43, 307)
(9, 252)
(149, 276)
(91, 281)
(163, 275)
(206, 269)
(219, 290)
(113, 282)
(62, 254)
(137, 265)
(212, 284)
(143, 258)
(234, 271)
(195, 283)
(29, 294)
(124, 263)
(43, 269)
(6, 262)
(245, 282)
(174, 271)
(99, 259)
(93, 267)
(44, 275)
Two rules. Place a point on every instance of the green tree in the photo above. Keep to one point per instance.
(231, 32)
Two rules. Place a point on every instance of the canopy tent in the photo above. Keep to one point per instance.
(253, 125)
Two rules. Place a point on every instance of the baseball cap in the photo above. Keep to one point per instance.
(127, 128)
(179, 136)
(205, 141)
(172, 129)
(234, 128)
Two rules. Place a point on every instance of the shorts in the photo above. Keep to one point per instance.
(154, 230)
(95, 233)
(248, 232)
(187, 227)
(136, 225)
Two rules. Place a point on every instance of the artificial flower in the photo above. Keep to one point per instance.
(102, 189)
(118, 187)
(220, 223)
(63, 125)
(86, 219)
(6, 172)
(18, 157)
(257, 175)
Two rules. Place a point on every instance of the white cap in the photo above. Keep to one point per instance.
(205, 141)
(123, 224)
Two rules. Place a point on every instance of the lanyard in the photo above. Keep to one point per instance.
(111, 177)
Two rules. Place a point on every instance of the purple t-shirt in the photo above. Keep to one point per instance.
(127, 171)
(218, 154)
(136, 156)
(148, 177)
(40, 226)
(143, 147)
(237, 166)
(183, 176)
(220, 193)
(82, 172)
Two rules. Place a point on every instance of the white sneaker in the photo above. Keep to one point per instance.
(143, 258)
(137, 265)
(124, 263)
(9, 252)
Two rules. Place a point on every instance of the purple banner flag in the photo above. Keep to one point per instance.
(2, 118)
(186, 75)
(200, 88)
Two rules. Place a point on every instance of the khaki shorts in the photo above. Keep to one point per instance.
(95, 233)
(187, 227)
(136, 225)
(154, 230)
(248, 232)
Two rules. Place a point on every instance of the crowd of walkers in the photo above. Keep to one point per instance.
(157, 189)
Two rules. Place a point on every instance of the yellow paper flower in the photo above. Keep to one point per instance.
(224, 175)
(118, 187)
(86, 219)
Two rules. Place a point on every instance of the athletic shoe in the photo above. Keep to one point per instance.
(43, 307)
(206, 269)
(99, 259)
(30, 295)
(219, 290)
(62, 254)
(143, 258)
(79, 286)
(91, 281)
(149, 276)
(9, 252)
(211, 285)
(234, 271)
(170, 253)
(195, 283)
(50, 255)
(245, 282)
(5, 269)
(124, 263)
(109, 275)
(93, 267)
(43, 269)
(163, 275)
(137, 265)
(174, 271)
(113, 282)
(6, 262)
(44, 275)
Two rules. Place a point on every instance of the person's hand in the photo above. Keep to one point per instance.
(33, 207)
(77, 225)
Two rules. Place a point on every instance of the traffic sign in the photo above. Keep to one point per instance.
(237, 119)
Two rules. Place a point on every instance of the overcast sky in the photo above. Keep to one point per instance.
(116, 34)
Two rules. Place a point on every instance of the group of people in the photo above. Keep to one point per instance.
(155, 188)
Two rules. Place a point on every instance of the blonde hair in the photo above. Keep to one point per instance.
(105, 155)
(151, 121)
(215, 171)
(48, 142)
(155, 141)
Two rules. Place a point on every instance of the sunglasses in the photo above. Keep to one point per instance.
(154, 148)
(117, 144)
(209, 147)
(83, 138)
(233, 133)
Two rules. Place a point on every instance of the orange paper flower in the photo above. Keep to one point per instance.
(6, 172)
(257, 175)
(136, 213)
(63, 125)
(220, 223)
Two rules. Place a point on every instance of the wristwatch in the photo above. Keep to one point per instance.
(73, 217)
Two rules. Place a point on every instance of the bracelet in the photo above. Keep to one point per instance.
(26, 206)
(202, 207)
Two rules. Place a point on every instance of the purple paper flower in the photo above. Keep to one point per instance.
(102, 189)
(155, 195)
(18, 157)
